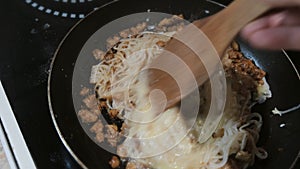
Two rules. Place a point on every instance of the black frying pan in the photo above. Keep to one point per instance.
(282, 143)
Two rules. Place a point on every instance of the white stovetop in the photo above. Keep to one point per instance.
(13, 150)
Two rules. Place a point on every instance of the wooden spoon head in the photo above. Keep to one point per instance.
(187, 61)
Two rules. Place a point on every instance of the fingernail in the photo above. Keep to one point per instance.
(277, 19)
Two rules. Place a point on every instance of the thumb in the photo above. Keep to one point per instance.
(276, 38)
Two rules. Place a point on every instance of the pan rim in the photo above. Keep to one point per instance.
(56, 126)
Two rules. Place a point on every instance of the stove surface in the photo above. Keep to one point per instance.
(31, 30)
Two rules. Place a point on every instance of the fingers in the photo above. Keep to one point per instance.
(276, 38)
(283, 3)
(290, 17)
(275, 31)
(254, 26)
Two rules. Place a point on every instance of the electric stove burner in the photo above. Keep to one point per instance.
(73, 9)
(31, 32)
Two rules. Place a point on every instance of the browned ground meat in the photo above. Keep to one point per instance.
(122, 151)
(98, 54)
(112, 41)
(245, 73)
(96, 111)
(84, 91)
(125, 33)
(245, 67)
(113, 113)
(130, 165)
(218, 133)
(97, 127)
(102, 104)
(138, 28)
(87, 116)
(99, 137)
(161, 43)
(90, 102)
(114, 162)
(112, 134)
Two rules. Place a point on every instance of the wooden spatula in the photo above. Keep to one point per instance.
(220, 29)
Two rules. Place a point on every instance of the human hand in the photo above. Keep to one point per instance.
(277, 30)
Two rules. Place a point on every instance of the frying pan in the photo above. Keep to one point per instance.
(281, 143)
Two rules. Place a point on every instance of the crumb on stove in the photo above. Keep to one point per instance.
(280, 149)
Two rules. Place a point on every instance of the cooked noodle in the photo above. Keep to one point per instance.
(116, 78)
